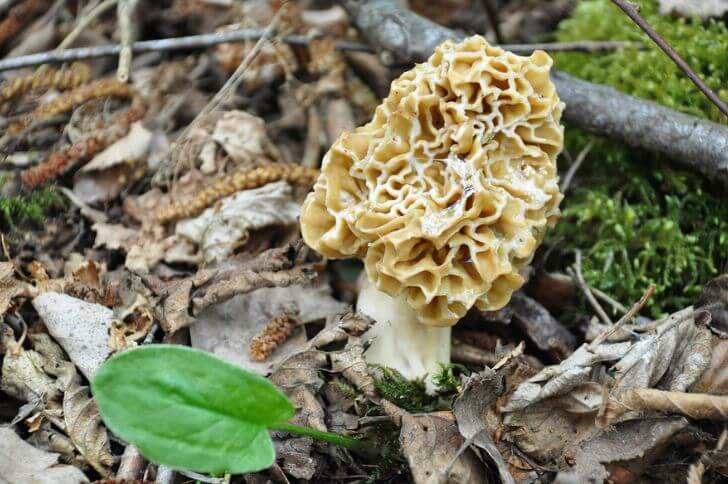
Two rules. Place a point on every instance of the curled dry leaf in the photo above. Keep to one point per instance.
(84, 427)
(10, 287)
(22, 375)
(81, 328)
(21, 462)
(222, 228)
(243, 137)
(699, 406)
(105, 176)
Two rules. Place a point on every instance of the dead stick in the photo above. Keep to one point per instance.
(579, 280)
(208, 40)
(624, 319)
(700, 144)
(634, 14)
(125, 13)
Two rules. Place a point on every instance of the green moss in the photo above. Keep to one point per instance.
(649, 73)
(407, 394)
(27, 210)
(636, 217)
(448, 379)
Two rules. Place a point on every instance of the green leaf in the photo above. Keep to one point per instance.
(187, 409)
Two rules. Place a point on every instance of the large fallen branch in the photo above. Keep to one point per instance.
(405, 37)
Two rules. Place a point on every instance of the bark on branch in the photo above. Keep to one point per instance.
(404, 37)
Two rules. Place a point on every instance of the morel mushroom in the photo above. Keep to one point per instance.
(445, 195)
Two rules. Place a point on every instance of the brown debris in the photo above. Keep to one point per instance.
(68, 100)
(44, 79)
(275, 333)
(235, 182)
(19, 17)
(61, 160)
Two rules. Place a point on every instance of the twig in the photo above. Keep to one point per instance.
(84, 22)
(608, 299)
(701, 145)
(634, 14)
(575, 166)
(624, 319)
(125, 15)
(209, 40)
(578, 277)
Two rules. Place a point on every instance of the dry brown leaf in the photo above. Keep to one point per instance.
(114, 236)
(227, 225)
(84, 427)
(432, 445)
(9, 286)
(627, 441)
(20, 462)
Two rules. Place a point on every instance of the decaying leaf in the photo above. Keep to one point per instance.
(433, 448)
(84, 427)
(9, 286)
(226, 329)
(242, 136)
(81, 328)
(21, 462)
(627, 441)
(22, 371)
(184, 300)
(114, 236)
(122, 162)
(222, 228)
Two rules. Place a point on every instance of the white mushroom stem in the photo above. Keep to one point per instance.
(399, 341)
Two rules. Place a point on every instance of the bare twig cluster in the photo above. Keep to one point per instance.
(235, 182)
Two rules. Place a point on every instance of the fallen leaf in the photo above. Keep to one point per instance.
(106, 175)
(84, 427)
(20, 462)
(222, 228)
(227, 329)
(242, 136)
(81, 328)
(9, 286)
(114, 236)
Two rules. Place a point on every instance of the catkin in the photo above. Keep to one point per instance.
(91, 144)
(18, 17)
(235, 182)
(68, 100)
(44, 79)
(272, 336)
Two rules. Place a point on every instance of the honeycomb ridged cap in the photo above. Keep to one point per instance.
(446, 193)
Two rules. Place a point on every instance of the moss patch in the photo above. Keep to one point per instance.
(27, 210)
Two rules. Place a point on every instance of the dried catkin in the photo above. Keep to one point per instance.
(68, 100)
(91, 144)
(18, 17)
(44, 79)
(235, 182)
(273, 335)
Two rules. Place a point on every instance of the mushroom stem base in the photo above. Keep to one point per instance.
(399, 341)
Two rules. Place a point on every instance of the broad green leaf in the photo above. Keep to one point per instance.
(187, 409)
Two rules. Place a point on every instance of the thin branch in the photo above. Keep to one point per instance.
(608, 299)
(85, 21)
(209, 40)
(492, 13)
(125, 14)
(575, 166)
(624, 319)
(579, 280)
(634, 14)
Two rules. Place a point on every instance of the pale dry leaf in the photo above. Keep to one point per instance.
(691, 8)
(20, 462)
(222, 228)
(23, 377)
(431, 444)
(227, 329)
(479, 393)
(628, 440)
(242, 136)
(714, 380)
(106, 175)
(9, 286)
(84, 427)
(81, 328)
(351, 364)
(114, 236)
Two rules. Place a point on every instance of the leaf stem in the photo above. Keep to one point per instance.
(332, 438)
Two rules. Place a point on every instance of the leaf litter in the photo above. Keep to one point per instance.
(184, 230)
